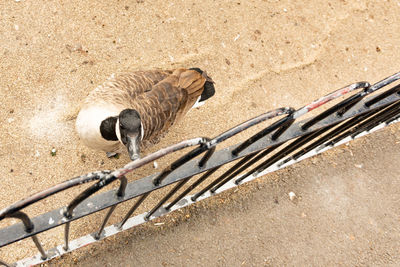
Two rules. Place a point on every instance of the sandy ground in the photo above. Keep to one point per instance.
(261, 54)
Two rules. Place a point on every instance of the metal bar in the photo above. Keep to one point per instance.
(106, 218)
(389, 121)
(385, 94)
(352, 101)
(191, 187)
(29, 228)
(120, 194)
(351, 131)
(377, 118)
(385, 115)
(207, 156)
(167, 196)
(281, 154)
(250, 123)
(327, 98)
(326, 137)
(182, 160)
(226, 178)
(28, 225)
(384, 82)
(82, 196)
(51, 191)
(283, 128)
(330, 111)
(132, 210)
(384, 120)
(241, 127)
(122, 186)
(66, 235)
(233, 168)
(347, 125)
(348, 103)
(392, 114)
(261, 134)
(39, 247)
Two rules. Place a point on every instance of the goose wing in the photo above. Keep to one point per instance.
(121, 88)
(168, 101)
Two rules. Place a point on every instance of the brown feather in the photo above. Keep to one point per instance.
(167, 102)
(161, 97)
(123, 87)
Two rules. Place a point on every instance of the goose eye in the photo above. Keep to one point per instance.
(121, 126)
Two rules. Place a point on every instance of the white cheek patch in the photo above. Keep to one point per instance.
(117, 132)
(198, 103)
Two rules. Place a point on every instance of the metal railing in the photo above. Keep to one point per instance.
(283, 142)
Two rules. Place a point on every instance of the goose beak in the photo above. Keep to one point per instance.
(133, 146)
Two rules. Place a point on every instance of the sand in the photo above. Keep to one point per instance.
(261, 54)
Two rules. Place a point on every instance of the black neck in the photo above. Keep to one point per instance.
(107, 129)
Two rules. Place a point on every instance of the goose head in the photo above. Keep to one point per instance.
(129, 131)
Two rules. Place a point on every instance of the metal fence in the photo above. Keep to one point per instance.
(285, 141)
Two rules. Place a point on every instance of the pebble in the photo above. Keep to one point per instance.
(292, 196)
(155, 164)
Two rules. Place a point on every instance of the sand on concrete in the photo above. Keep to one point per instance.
(261, 54)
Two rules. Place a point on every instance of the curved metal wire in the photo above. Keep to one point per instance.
(185, 158)
(51, 191)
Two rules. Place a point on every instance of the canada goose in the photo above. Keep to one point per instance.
(132, 108)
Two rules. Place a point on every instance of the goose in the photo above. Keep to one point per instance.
(135, 108)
